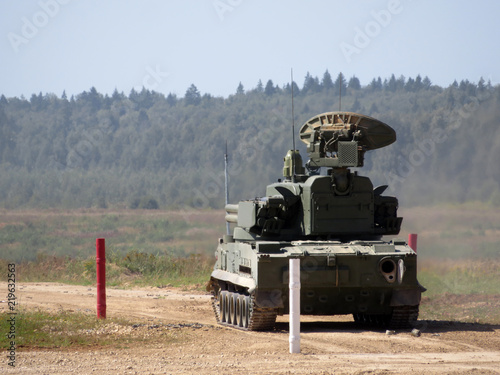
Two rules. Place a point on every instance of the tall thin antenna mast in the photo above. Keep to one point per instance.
(226, 186)
(340, 91)
(293, 131)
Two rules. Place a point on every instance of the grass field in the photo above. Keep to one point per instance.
(142, 246)
(38, 329)
(26, 234)
(458, 247)
(468, 231)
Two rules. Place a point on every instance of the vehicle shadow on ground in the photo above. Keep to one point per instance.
(424, 326)
(442, 326)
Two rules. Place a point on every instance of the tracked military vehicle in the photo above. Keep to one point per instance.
(334, 223)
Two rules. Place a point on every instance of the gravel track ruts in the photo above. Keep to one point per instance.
(328, 344)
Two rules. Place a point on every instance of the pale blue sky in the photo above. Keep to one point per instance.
(72, 45)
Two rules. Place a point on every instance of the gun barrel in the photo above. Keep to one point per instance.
(232, 208)
(232, 218)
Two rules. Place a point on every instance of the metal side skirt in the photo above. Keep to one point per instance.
(235, 279)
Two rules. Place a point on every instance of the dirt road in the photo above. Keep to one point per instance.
(195, 345)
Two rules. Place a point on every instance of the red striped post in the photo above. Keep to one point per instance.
(412, 241)
(101, 277)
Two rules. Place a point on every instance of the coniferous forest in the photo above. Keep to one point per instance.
(148, 150)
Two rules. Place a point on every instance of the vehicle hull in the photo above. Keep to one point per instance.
(373, 280)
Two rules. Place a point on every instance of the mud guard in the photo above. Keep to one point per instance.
(406, 297)
(269, 298)
(234, 279)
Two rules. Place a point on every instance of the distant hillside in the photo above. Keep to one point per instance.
(146, 149)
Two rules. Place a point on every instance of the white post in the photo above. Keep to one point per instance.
(294, 299)
(226, 187)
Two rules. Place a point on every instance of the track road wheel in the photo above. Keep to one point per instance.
(227, 307)
(222, 311)
(232, 308)
(238, 311)
(245, 311)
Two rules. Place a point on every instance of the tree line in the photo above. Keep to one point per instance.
(148, 150)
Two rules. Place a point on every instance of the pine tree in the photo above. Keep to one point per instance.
(410, 85)
(269, 90)
(481, 85)
(375, 84)
(340, 83)
(95, 99)
(193, 96)
(400, 83)
(327, 82)
(311, 84)
(260, 86)
(354, 83)
(418, 83)
(240, 90)
(171, 99)
(116, 96)
(426, 83)
(392, 84)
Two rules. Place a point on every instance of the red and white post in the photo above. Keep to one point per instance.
(101, 277)
(412, 241)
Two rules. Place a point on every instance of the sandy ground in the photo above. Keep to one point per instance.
(194, 344)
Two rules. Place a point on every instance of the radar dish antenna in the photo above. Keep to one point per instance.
(329, 134)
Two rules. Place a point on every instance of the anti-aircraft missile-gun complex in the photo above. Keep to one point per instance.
(333, 223)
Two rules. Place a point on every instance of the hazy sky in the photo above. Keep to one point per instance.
(72, 45)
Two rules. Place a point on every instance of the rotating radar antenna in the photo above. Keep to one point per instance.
(340, 139)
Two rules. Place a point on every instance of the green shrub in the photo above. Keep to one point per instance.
(146, 203)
